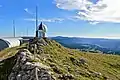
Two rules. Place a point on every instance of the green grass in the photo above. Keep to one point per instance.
(67, 61)
(9, 52)
(107, 65)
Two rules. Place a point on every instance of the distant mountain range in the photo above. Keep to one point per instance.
(110, 46)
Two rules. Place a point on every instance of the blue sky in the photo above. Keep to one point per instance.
(68, 19)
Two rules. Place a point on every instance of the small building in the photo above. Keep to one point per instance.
(42, 29)
(9, 42)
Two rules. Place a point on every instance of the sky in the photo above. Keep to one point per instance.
(70, 18)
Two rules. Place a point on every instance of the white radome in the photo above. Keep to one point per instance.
(44, 28)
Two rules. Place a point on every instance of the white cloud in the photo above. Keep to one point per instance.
(102, 11)
(43, 20)
(93, 23)
(29, 12)
(46, 20)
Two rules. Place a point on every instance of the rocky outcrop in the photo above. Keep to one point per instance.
(27, 69)
(36, 44)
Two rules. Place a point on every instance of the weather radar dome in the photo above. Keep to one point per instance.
(42, 28)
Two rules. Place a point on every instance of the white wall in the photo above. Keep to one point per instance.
(9, 42)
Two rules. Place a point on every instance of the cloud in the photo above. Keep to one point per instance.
(93, 23)
(101, 11)
(43, 20)
(46, 20)
(29, 12)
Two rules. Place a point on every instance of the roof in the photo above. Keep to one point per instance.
(42, 27)
(11, 42)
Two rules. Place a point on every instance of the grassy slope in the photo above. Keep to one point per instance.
(107, 65)
(59, 59)
(9, 52)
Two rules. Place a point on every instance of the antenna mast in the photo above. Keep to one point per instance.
(36, 21)
(27, 31)
(14, 28)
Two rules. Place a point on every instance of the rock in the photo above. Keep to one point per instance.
(82, 61)
(97, 74)
(79, 62)
(35, 46)
(56, 68)
(25, 70)
(41, 65)
(66, 77)
(74, 61)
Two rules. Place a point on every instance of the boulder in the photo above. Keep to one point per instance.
(66, 77)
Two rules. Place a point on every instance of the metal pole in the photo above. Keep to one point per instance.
(14, 28)
(36, 21)
(27, 31)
